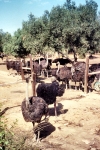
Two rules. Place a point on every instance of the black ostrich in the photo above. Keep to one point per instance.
(49, 92)
(14, 65)
(62, 74)
(62, 61)
(78, 66)
(67, 74)
(78, 73)
(33, 108)
(2, 55)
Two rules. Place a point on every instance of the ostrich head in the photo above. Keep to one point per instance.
(60, 91)
(59, 88)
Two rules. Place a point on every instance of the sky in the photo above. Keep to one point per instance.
(14, 12)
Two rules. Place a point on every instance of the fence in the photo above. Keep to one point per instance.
(87, 71)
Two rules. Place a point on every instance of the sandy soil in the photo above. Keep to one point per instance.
(77, 126)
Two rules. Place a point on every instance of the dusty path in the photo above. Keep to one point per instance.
(78, 123)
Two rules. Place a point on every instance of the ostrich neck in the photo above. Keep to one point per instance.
(27, 94)
(58, 68)
(47, 59)
(39, 60)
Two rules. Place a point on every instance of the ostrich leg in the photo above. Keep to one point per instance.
(75, 86)
(55, 109)
(36, 138)
(69, 84)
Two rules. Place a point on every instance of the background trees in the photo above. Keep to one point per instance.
(68, 27)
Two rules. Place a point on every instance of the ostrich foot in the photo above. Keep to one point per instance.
(36, 139)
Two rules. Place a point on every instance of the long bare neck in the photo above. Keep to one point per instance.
(74, 53)
(39, 60)
(27, 94)
(47, 59)
(58, 67)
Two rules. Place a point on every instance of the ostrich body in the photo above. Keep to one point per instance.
(37, 68)
(37, 107)
(74, 73)
(62, 61)
(79, 66)
(49, 92)
(14, 65)
(33, 108)
(64, 74)
(78, 73)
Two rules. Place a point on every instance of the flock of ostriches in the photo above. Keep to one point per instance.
(34, 107)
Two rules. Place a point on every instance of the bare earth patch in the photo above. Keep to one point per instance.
(77, 126)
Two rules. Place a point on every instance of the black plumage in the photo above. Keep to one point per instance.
(78, 66)
(34, 110)
(49, 92)
(78, 73)
(64, 74)
(2, 55)
(62, 61)
(37, 107)
(14, 65)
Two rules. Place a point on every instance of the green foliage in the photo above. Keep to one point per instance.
(64, 27)
(9, 139)
(6, 135)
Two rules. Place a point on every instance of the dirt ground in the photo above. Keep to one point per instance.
(77, 126)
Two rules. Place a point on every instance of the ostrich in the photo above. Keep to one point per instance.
(37, 68)
(44, 65)
(2, 55)
(62, 61)
(33, 108)
(9, 65)
(67, 74)
(62, 74)
(78, 73)
(14, 66)
(79, 66)
(49, 92)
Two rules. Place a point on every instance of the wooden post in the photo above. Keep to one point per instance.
(22, 72)
(33, 76)
(86, 74)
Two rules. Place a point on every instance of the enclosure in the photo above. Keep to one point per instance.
(77, 126)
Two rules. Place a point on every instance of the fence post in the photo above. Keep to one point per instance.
(86, 74)
(22, 72)
(33, 77)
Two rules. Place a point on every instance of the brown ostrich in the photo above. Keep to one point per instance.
(33, 108)
(45, 65)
